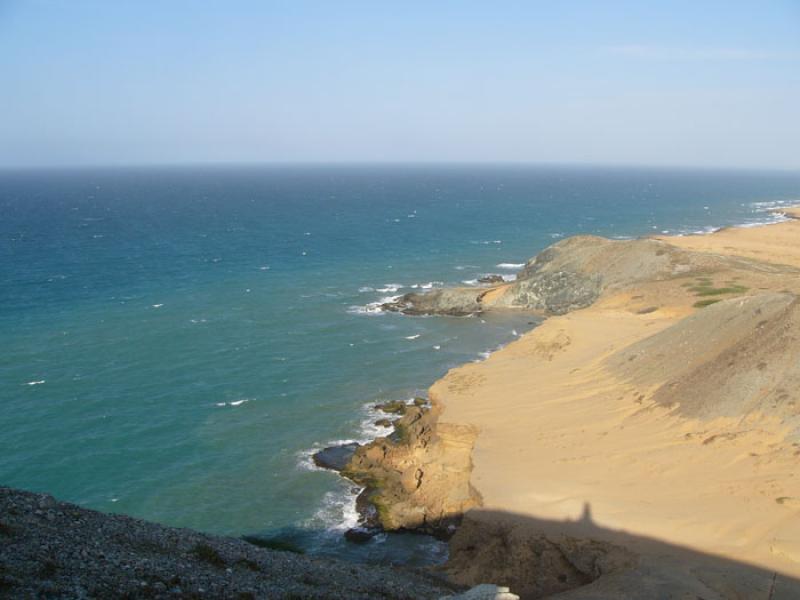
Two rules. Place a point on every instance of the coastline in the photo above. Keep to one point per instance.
(640, 465)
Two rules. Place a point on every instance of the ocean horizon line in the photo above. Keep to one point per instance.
(391, 164)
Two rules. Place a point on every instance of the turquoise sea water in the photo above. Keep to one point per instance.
(175, 342)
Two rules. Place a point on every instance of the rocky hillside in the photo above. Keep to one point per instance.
(574, 273)
(51, 549)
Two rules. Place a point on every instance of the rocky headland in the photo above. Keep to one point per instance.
(641, 442)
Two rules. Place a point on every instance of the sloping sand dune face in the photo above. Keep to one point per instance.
(738, 359)
(669, 407)
(560, 429)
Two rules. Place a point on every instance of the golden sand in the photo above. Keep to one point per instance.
(560, 431)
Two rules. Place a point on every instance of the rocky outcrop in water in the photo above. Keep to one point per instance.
(455, 302)
(418, 477)
(335, 458)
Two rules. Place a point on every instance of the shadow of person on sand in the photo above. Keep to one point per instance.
(580, 560)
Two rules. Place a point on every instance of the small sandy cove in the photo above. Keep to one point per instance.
(564, 427)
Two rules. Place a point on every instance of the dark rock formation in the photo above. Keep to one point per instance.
(393, 407)
(335, 457)
(360, 535)
(456, 302)
(492, 278)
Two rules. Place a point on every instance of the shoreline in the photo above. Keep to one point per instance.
(618, 318)
(369, 432)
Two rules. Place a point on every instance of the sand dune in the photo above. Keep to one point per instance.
(671, 420)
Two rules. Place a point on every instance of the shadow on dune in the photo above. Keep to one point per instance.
(581, 560)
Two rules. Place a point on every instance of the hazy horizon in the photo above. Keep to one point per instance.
(715, 85)
(353, 164)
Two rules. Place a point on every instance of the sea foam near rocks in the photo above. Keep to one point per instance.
(372, 308)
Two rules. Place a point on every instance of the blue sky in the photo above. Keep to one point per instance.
(662, 83)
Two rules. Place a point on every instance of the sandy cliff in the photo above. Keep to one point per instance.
(646, 432)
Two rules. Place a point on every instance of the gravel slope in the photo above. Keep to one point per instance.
(51, 549)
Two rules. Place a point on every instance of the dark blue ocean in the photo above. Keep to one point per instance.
(176, 341)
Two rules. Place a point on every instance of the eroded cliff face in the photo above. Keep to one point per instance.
(419, 477)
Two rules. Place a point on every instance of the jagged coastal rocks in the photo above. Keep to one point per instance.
(417, 478)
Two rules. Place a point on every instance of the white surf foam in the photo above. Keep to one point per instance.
(510, 265)
(233, 403)
(389, 288)
(372, 308)
(40, 382)
(768, 205)
(412, 337)
(426, 286)
(338, 511)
